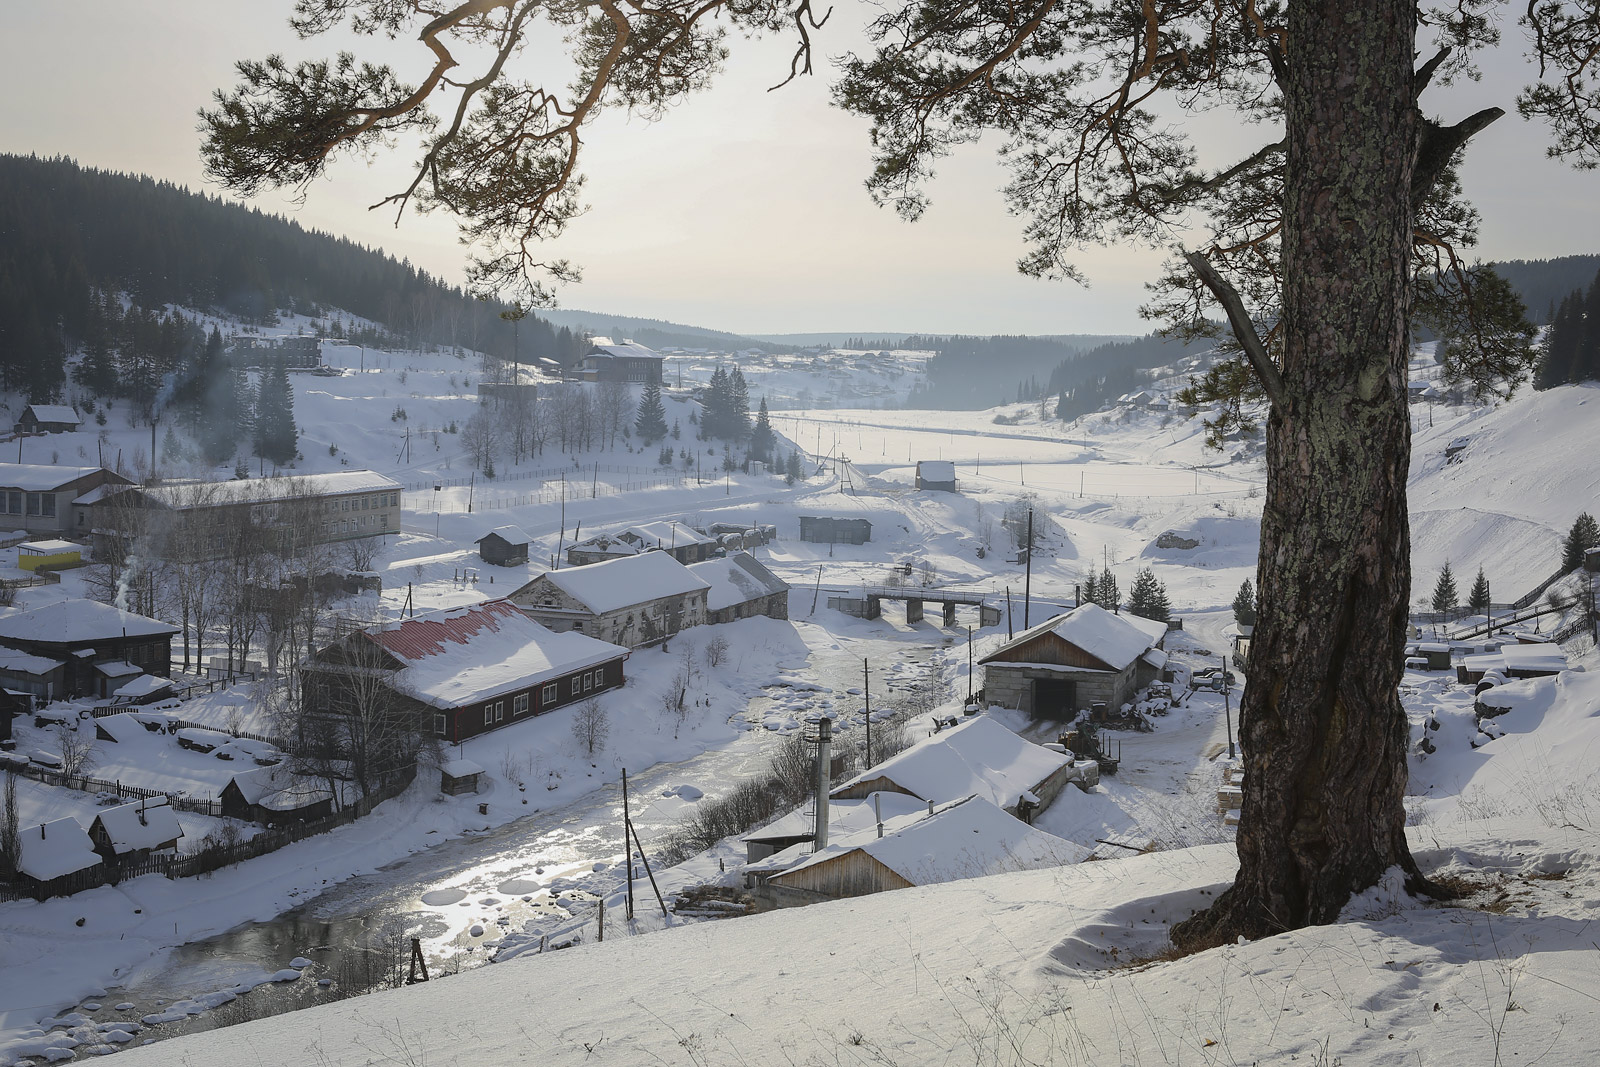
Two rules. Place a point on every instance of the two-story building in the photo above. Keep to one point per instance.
(637, 600)
(39, 497)
(81, 648)
(607, 361)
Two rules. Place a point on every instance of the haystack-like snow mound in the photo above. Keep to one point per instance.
(1039, 967)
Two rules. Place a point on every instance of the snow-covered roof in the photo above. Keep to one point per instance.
(511, 535)
(277, 789)
(665, 534)
(979, 756)
(99, 493)
(1115, 640)
(71, 621)
(736, 579)
(845, 817)
(608, 545)
(460, 768)
(143, 686)
(40, 477)
(22, 662)
(936, 470)
(49, 548)
(455, 656)
(55, 413)
(263, 490)
(117, 668)
(142, 824)
(605, 348)
(1545, 657)
(56, 848)
(969, 838)
(620, 583)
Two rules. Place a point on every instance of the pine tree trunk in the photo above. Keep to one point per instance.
(1323, 732)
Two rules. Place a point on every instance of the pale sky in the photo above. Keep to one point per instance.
(742, 210)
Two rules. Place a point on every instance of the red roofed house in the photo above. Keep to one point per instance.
(467, 669)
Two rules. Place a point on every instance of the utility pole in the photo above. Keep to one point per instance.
(866, 688)
(1027, 589)
(627, 845)
(969, 665)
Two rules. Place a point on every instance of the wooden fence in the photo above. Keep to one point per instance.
(215, 855)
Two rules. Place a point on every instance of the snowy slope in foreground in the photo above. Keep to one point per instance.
(1013, 969)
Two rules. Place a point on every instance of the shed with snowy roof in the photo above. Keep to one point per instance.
(458, 672)
(632, 601)
(51, 854)
(979, 756)
(504, 546)
(133, 831)
(274, 795)
(1072, 662)
(936, 474)
(742, 587)
(965, 838)
(49, 418)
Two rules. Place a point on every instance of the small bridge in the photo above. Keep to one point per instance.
(869, 605)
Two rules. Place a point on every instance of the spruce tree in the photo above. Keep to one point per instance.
(1584, 535)
(762, 438)
(1148, 597)
(738, 413)
(794, 470)
(1107, 595)
(1090, 592)
(1244, 605)
(1478, 599)
(275, 434)
(651, 422)
(1445, 596)
(717, 406)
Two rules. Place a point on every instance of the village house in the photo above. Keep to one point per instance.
(48, 418)
(274, 796)
(504, 546)
(977, 756)
(829, 530)
(633, 601)
(845, 819)
(40, 497)
(461, 671)
(936, 474)
(95, 649)
(1513, 660)
(205, 516)
(130, 832)
(607, 361)
(965, 838)
(51, 853)
(741, 587)
(681, 542)
(1074, 661)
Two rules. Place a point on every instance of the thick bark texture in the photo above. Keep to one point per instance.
(1323, 732)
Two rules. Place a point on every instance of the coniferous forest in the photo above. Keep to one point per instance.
(1572, 347)
(93, 260)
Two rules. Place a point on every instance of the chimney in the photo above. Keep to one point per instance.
(877, 810)
(824, 743)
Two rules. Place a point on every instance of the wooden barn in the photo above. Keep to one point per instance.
(1072, 662)
(938, 475)
(51, 854)
(49, 418)
(99, 648)
(829, 530)
(740, 588)
(980, 756)
(273, 796)
(504, 546)
(133, 831)
(966, 838)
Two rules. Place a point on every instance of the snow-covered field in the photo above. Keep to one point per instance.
(1024, 968)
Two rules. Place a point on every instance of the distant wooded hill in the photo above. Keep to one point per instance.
(1544, 283)
(74, 235)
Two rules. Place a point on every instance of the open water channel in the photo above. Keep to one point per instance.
(356, 934)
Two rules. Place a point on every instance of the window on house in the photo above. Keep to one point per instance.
(14, 502)
(519, 706)
(599, 675)
(499, 710)
(577, 685)
(551, 694)
(50, 504)
(588, 681)
(33, 503)
(488, 714)
(441, 725)
(385, 522)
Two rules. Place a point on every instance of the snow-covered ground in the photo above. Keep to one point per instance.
(994, 970)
